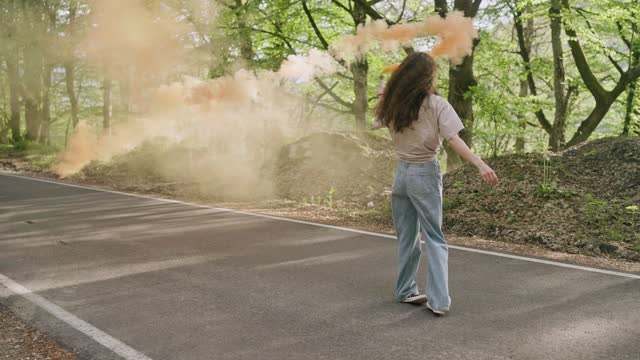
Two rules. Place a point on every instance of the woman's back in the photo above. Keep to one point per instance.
(421, 141)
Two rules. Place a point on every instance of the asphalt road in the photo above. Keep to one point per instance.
(106, 274)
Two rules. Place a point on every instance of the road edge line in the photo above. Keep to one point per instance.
(99, 336)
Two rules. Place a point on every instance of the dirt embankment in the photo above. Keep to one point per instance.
(584, 200)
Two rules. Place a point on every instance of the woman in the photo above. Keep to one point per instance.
(418, 121)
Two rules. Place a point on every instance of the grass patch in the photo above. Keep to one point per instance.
(25, 149)
(42, 161)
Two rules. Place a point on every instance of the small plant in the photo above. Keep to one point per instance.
(329, 197)
(597, 212)
(616, 234)
(548, 189)
(546, 172)
(634, 213)
(451, 203)
(551, 191)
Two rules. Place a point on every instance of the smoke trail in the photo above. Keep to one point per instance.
(236, 123)
(455, 32)
(231, 115)
(304, 68)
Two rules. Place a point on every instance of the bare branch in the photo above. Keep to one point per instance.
(624, 38)
(589, 79)
(340, 5)
(307, 12)
(333, 95)
(401, 15)
(525, 54)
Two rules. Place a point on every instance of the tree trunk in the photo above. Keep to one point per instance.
(522, 121)
(70, 67)
(33, 91)
(106, 102)
(524, 49)
(631, 90)
(43, 136)
(125, 92)
(13, 76)
(556, 138)
(14, 97)
(69, 77)
(630, 109)
(360, 70)
(244, 32)
(526, 33)
(33, 68)
(461, 79)
(603, 98)
(589, 125)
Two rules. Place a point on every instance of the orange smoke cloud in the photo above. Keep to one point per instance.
(79, 152)
(455, 32)
(195, 108)
(145, 37)
(304, 68)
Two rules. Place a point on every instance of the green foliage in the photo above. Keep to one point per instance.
(597, 212)
(22, 145)
(633, 211)
(329, 197)
(549, 189)
(451, 203)
(43, 161)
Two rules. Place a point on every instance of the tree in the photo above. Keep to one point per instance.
(69, 62)
(359, 68)
(461, 77)
(603, 98)
(556, 138)
(461, 80)
(594, 75)
(33, 66)
(12, 65)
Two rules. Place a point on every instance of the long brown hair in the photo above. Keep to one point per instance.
(405, 92)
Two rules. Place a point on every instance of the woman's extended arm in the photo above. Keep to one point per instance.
(459, 146)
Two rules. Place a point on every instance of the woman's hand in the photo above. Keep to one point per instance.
(459, 146)
(487, 174)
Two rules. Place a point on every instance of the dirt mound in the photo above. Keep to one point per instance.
(178, 169)
(335, 166)
(584, 200)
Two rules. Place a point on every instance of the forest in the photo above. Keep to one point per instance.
(542, 75)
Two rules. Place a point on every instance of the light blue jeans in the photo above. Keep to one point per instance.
(416, 202)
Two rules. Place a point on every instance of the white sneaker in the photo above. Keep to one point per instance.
(437, 312)
(415, 299)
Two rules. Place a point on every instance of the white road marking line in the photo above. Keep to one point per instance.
(456, 247)
(82, 326)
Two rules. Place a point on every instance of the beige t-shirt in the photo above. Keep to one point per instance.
(421, 141)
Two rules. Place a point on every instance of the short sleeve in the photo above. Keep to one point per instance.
(449, 124)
